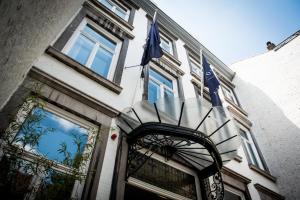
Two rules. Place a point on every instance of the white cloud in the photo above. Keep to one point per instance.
(65, 124)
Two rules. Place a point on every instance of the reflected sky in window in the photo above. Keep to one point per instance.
(54, 131)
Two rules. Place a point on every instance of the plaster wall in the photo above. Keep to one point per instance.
(268, 87)
(27, 28)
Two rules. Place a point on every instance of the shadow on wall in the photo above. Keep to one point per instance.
(277, 136)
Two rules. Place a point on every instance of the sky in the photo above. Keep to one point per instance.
(234, 30)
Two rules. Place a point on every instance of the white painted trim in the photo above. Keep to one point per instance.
(67, 48)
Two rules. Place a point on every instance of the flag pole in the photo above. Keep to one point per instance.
(202, 78)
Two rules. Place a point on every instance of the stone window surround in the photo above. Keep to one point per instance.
(89, 11)
(269, 193)
(72, 101)
(236, 181)
(164, 31)
(176, 75)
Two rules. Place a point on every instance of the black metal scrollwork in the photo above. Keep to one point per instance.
(216, 189)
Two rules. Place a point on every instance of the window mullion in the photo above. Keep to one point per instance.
(92, 55)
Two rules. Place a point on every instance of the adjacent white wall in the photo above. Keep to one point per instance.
(268, 87)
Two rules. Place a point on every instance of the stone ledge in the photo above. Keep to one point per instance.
(268, 192)
(263, 173)
(83, 70)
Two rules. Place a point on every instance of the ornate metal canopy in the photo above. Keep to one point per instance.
(188, 131)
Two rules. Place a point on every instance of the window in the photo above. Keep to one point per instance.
(228, 93)
(231, 193)
(120, 11)
(196, 68)
(160, 86)
(94, 48)
(250, 148)
(55, 143)
(166, 44)
(168, 179)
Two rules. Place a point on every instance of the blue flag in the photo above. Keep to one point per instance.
(152, 49)
(211, 81)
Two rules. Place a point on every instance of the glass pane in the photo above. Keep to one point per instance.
(52, 136)
(161, 78)
(107, 4)
(102, 62)
(56, 186)
(100, 38)
(166, 177)
(82, 49)
(252, 155)
(153, 91)
(165, 45)
(243, 134)
(15, 177)
(121, 12)
(168, 94)
(231, 196)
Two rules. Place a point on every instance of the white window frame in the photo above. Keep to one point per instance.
(163, 192)
(195, 64)
(249, 140)
(163, 86)
(21, 116)
(116, 6)
(229, 94)
(79, 31)
(168, 42)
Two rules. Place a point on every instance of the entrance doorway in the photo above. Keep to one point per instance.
(132, 193)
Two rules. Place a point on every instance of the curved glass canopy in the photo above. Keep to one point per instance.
(189, 131)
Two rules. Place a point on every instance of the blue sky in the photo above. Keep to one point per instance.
(235, 29)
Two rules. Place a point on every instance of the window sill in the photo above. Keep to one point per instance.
(268, 192)
(171, 57)
(236, 107)
(83, 70)
(263, 173)
(113, 15)
(238, 158)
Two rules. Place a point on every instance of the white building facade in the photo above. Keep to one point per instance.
(80, 97)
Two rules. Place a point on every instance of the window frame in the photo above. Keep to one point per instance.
(235, 191)
(22, 115)
(229, 94)
(72, 40)
(116, 6)
(163, 192)
(161, 85)
(193, 61)
(165, 39)
(249, 140)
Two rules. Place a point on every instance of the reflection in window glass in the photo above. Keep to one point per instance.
(161, 78)
(52, 136)
(93, 50)
(231, 196)
(102, 62)
(115, 8)
(100, 38)
(56, 186)
(159, 86)
(166, 177)
(107, 4)
(166, 45)
(82, 49)
(250, 149)
(153, 91)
